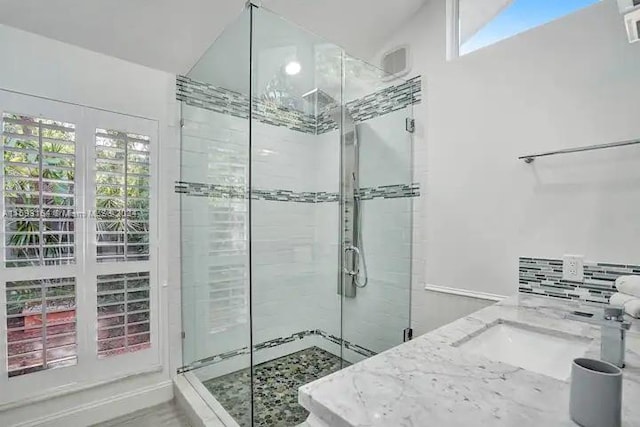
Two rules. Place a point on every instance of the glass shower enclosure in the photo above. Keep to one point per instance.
(296, 216)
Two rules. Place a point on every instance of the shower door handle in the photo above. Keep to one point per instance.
(356, 261)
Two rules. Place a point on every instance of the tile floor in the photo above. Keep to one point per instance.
(276, 388)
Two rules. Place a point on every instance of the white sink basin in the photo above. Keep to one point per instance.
(548, 353)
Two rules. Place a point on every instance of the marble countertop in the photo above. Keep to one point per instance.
(429, 381)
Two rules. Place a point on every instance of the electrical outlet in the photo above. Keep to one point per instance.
(573, 268)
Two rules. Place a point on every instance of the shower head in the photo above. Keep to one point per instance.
(320, 102)
(320, 99)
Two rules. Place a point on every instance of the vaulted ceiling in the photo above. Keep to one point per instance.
(172, 35)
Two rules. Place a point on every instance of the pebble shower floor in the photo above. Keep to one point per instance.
(275, 389)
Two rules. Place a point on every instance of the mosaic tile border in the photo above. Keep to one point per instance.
(224, 101)
(390, 191)
(196, 189)
(380, 103)
(212, 360)
(543, 276)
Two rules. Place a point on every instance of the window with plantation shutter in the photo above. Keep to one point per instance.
(39, 191)
(41, 325)
(78, 274)
(122, 196)
(122, 201)
(123, 313)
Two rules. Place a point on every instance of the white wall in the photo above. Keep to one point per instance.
(42, 67)
(570, 83)
(440, 308)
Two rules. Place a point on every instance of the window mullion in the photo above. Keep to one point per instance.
(86, 242)
(126, 311)
(3, 276)
(126, 197)
(40, 201)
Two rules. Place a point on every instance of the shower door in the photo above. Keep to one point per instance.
(376, 210)
(294, 166)
(331, 173)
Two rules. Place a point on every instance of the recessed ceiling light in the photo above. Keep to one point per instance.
(293, 68)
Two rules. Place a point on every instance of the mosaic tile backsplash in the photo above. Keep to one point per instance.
(232, 103)
(543, 276)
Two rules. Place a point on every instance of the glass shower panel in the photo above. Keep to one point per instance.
(296, 86)
(296, 186)
(377, 191)
(214, 191)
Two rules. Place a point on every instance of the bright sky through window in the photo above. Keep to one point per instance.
(520, 16)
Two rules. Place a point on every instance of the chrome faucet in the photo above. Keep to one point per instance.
(613, 330)
(614, 336)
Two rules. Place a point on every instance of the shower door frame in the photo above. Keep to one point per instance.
(351, 291)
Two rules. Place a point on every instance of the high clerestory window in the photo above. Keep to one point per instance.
(476, 24)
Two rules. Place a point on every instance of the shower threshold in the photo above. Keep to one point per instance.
(276, 384)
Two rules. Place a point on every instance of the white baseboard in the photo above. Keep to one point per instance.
(107, 409)
(465, 293)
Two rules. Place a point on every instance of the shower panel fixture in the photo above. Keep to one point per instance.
(353, 262)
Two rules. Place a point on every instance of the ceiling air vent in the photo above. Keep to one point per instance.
(396, 62)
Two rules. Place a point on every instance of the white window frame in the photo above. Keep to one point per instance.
(453, 29)
(89, 369)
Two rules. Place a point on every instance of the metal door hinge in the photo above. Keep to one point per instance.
(408, 334)
(411, 125)
(183, 335)
(181, 123)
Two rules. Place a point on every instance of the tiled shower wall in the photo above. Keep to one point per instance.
(378, 315)
(215, 233)
(295, 221)
(215, 259)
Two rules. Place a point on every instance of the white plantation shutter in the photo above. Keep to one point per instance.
(41, 325)
(122, 196)
(39, 185)
(78, 274)
(122, 206)
(123, 313)
(38, 193)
